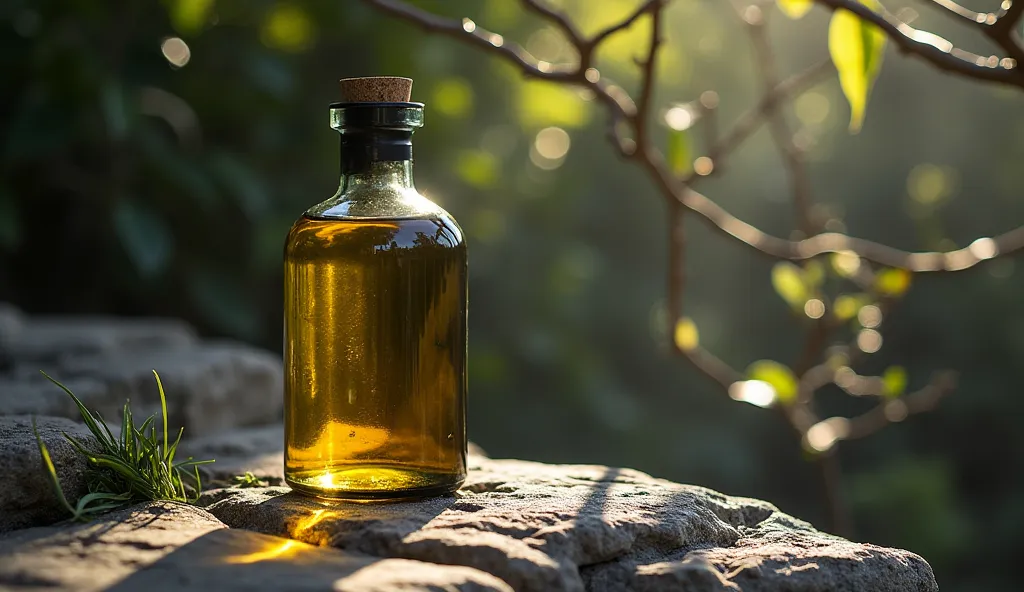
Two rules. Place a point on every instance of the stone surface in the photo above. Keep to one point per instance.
(259, 450)
(211, 386)
(27, 497)
(550, 527)
(164, 546)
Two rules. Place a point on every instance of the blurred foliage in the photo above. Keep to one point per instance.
(155, 153)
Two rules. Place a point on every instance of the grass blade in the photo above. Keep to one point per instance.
(136, 465)
(163, 404)
(87, 416)
(174, 447)
(51, 470)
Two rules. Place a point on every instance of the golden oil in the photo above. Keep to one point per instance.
(375, 325)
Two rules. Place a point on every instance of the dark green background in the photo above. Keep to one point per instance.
(135, 188)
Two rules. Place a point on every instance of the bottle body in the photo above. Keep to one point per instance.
(375, 335)
(375, 356)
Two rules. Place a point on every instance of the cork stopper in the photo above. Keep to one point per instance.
(376, 89)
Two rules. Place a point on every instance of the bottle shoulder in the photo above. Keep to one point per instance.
(436, 229)
(382, 202)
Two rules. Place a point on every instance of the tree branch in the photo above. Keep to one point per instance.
(896, 410)
(936, 50)
(559, 18)
(622, 106)
(751, 121)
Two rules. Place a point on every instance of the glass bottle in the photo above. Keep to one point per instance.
(375, 322)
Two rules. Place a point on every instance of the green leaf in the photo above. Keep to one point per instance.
(795, 9)
(686, 335)
(778, 375)
(145, 237)
(856, 48)
(788, 281)
(892, 282)
(678, 153)
(894, 381)
(846, 306)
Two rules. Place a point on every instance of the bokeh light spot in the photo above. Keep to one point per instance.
(929, 184)
(870, 316)
(812, 108)
(453, 97)
(679, 118)
(755, 392)
(823, 435)
(984, 248)
(176, 51)
(814, 308)
(869, 341)
(896, 411)
(288, 28)
(550, 147)
(703, 166)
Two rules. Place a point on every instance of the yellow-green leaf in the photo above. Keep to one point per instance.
(453, 97)
(856, 47)
(814, 274)
(189, 16)
(795, 9)
(678, 153)
(288, 27)
(787, 279)
(847, 306)
(477, 168)
(542, 104)
(686, 335)
(779, 376)
(894, 381)
(892, 282)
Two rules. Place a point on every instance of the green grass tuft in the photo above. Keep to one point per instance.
(247, 480)
(135, 467)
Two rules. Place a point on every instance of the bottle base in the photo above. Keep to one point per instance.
(373, 483)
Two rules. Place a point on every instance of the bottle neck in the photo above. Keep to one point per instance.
(379, 174)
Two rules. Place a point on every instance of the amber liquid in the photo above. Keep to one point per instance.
(375, 357)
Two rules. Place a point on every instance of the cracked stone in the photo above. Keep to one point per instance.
(554, 527)
(27, 497)
(165, 546)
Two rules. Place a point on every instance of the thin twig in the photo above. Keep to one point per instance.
(934, 49)
(960, 11)
(780, 131)
(896, 410)
(647, 80)
(559, 18)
